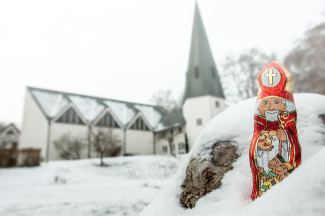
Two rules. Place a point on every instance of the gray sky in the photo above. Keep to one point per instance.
(126, 49)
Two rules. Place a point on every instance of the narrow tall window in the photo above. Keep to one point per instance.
(165, 149)
(196, 72)
(181, 148)
(199, 121)
(213, 72)
(173, 148)
(217, 104)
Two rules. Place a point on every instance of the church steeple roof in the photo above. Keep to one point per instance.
(202, 77)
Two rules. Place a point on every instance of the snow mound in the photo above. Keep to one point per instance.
(301, 194)
(236, 124)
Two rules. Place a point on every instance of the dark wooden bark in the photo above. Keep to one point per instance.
(203, 177)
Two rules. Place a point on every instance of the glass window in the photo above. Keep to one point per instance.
(199, 121)
(139, 124)
(3, 144)
(107, 121)
(173, 148)
(213, 72)
(217, 103)
(65, 117)
(196, 72)
(70, 117)
(10, 132)
(73, 116)
(165, 149)
(181, 148)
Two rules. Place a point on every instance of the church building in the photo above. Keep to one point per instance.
(143, 129)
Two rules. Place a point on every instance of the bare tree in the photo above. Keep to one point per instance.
(69, 147)
(171, 145)
(306, 61)
(169, 136)
(166, 99)
(239, 73)
(106, 144)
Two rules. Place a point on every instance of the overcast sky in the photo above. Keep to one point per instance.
(127, 49)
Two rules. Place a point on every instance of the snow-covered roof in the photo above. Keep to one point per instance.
(90, 108)
(52, 102)
(123, 112)
(9, 127)
(151, 114)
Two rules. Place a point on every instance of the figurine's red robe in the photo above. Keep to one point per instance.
(288, 123)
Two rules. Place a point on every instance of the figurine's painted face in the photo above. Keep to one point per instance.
(281, 169)
(270, 107)
(274, 163)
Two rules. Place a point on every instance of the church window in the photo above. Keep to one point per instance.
(173, 148)
(10, 132)
(181, 148)
(196, 72)
(165, 149)
(139, 124)
(213, 72)
(199, 121)
(107, 121)
(217, 104)
(70, 116)
(180, 130)
(3, 144)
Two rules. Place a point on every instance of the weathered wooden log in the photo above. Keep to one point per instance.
(205, 176)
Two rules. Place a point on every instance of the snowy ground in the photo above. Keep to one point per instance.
(81, 187)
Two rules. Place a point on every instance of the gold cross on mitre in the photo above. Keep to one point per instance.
(270, 75)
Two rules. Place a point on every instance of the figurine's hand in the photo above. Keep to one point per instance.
(264, 147)
(280, 177)
(270, 179)
(281, 135)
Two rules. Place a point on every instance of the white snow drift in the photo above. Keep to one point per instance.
(82, 188)
(302, 193)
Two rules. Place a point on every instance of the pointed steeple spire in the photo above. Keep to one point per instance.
(202, 77)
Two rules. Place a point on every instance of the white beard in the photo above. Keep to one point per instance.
(272, 116)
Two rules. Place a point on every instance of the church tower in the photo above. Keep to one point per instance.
(203, 96)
